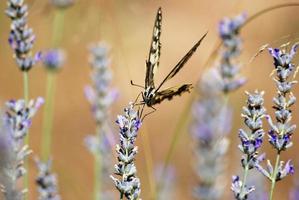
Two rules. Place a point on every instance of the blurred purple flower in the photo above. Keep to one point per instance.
(14, 128)
(228, 69)
(211, 124)
(46, 181)
(54, 59)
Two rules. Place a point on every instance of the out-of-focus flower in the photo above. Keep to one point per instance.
(228, 68)
(101, 96)
(14, 129)
(128, 184)
(62, 3)
(21, 37)
(211, 124)
(46, 182)
(54, 59)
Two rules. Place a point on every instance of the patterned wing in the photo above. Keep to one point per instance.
(182, 62)
(170, 93)
(152, 62)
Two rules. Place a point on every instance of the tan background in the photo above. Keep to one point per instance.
(127, 26)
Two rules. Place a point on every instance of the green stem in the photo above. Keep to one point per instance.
(97, 180)
(26, 86)
(244, 180)
(26, 98)
(274, 176)
(48, 116)
(58, 24)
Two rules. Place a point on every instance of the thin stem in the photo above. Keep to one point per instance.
(26, 98)
(244, 180)
(26, 86)
(97, 172)
(48, 116)
(58, 24)
(274, 176)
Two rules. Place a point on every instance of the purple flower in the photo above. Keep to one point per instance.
(54, 59)
(251, 141)
(128, 184)
(240, 192)
(281, 131)
(101, 96)
(211, 124)
(283, 59)
(21, 37)
(46, 181)
(228, 69)
(228, 27)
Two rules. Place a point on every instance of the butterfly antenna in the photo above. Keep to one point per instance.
(136, 84)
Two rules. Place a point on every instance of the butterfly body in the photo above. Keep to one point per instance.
(148, 96)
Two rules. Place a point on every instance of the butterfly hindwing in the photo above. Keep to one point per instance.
(152, 62)
(182, 62)
(171, 92)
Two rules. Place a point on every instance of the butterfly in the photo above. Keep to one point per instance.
(153, 95)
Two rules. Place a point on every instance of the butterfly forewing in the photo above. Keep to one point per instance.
(182, 62)
(170, 93)
(152, 62)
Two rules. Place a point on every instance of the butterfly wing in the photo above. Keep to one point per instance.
(152, 62)
(170, 93)
(182, 62)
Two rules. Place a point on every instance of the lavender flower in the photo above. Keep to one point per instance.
(19, 116)
(101, 96)
(209, 129)
(228, 69)
(62, 3)
(21, 37)
(251, 141)
(281, 131)
(128, 184)
(54, 59)
(17, 121)
(46, 182)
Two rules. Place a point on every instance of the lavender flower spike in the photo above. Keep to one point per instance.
(129, 184)
(21, 37)
(251, 141)
(229, 70)
(281, 131)
(101, 96)
(46, 182)
(211, 124)
(17, 121)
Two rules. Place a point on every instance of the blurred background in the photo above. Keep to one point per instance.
(126, 25)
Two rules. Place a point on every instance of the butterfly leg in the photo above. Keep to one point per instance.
(136, 84)
(154, 110)
(135, 104)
